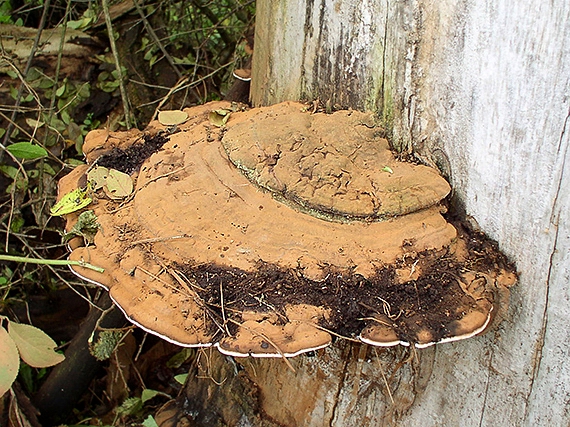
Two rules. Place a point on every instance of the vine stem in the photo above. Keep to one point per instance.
(50, 262)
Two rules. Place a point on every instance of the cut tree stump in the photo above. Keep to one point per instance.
(480, 90)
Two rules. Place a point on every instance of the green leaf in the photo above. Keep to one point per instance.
(60, 91)
(148, 394)
(9, 362)
(130, 406)
(17, 224)
(181, 378)
(387, 169)
(179, 358)
(9, 171)
(35, 346)
(71, 202)
(45, 83)
(149, 422)
(27, 150)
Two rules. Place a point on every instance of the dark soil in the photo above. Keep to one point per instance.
(131, 159)
(431, 302)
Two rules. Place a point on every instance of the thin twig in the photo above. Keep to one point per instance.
(384, 376)
(158, 239)
(124, 97)
(223, 310)
(26, 69)
(156, 40)
(182, 85)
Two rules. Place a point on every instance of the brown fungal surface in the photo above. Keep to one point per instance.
(280, 230)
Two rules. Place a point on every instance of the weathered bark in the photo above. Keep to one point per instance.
(481, 90)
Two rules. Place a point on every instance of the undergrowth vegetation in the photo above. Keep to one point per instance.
(71, 67)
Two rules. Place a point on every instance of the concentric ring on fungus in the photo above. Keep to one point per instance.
(284, 228)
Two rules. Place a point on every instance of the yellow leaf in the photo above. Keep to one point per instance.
(219, 117)
(118, 185)
(172, 117)
(71, 202)
(97, 177)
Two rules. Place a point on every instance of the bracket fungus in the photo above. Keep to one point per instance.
(280, 229)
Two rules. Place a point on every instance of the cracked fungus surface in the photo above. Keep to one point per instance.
(281, 230)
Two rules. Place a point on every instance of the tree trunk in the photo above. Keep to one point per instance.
(481, 90)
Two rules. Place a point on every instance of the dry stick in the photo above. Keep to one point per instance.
(322, 328)
(156, 40)
(58, 63)
(12, 193)
(17, 108)
(384, 376)
(223, 310)
(158, 239)
(176, 274)
(124, 97)
(182, 85)
(26, 69)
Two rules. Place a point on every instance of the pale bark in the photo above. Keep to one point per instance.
(480, 89)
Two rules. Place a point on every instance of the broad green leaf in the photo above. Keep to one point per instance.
(9, 361)
(149, 422)
(219, 117)
(71, 202)
(9, 171)
(181, 378)
(35, 346)
(148, 394)
(172, 117)
(27, 150)
(118, 185)
(45, 83)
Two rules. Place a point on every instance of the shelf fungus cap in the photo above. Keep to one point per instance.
(268, 234)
